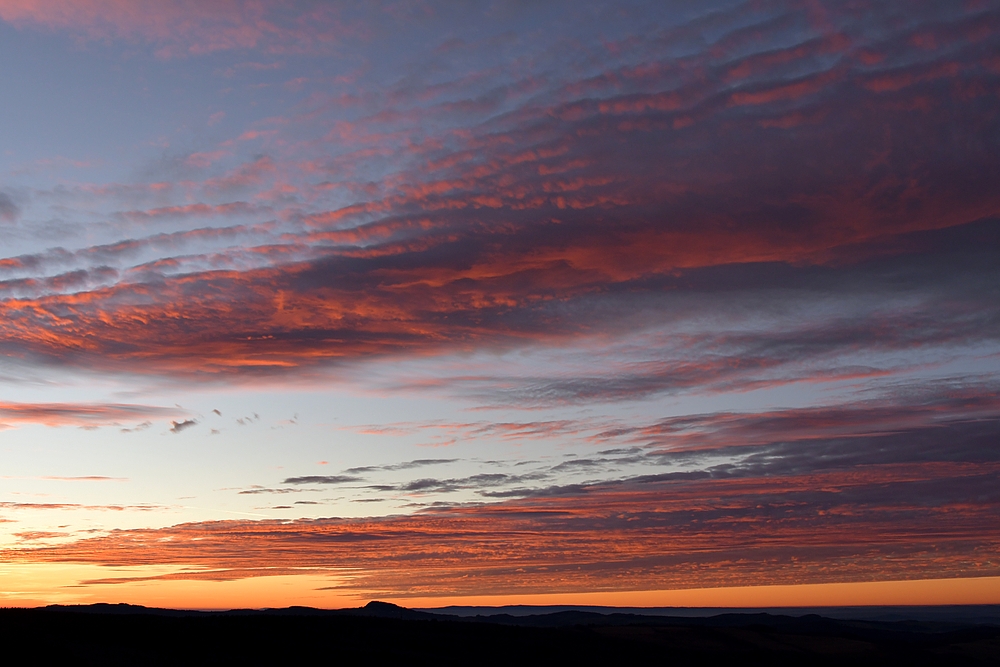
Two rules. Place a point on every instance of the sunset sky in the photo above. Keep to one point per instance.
(633, 303)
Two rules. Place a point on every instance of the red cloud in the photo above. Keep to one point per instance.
(636, 183)
(868, 523)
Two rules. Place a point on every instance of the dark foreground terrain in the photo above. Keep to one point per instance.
(382, 633)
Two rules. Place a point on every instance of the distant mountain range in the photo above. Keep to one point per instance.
(380, 632)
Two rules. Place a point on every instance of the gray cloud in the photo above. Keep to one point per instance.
(408, 465)
(258, 491)
(9, 211)
(322, 479)
(177, 427)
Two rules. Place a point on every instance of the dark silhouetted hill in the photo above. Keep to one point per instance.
(381, 633)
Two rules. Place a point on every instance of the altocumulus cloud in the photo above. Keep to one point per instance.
(597, 204)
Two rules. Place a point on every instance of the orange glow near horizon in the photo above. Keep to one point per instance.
(981, 590)
(29, 585)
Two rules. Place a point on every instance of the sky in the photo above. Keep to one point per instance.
(629, 303)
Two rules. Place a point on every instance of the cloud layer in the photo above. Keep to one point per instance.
(808, 155)
(848, 493)
(180, 27)
(889, 521)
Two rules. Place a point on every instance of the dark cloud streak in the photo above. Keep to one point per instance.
(322, 479)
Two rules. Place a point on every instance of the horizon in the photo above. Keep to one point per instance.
(529, 609)
(312, 304)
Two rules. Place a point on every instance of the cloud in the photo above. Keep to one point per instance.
(177, 427)
(258, 490)
(60, 270)
(406, 465)
(674, 186)
(322, 479)
(475, 482)
(180, 27)
(86, 478)
(314, 314)
(78, 414)
(197, 211)
(9, 211)
(949, 422)
(38, 535)
(76, 506)
(868, 522)
(138, 427)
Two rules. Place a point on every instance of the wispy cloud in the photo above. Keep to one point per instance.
(85, 478)
(178, 426)
(322, 479)
(949, 422)
(11, 505)
(79, 414)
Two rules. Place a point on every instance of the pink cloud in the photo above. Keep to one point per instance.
(80, 414)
